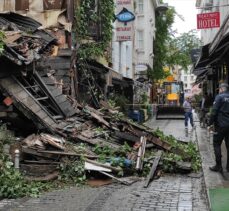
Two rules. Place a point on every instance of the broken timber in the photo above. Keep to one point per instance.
(141, 153)
(153, 168)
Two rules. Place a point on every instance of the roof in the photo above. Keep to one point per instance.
(24, 41)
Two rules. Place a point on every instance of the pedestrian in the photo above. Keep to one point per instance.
(219, 117)
(188, 112)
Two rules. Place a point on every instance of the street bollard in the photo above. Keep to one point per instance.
(16, 159)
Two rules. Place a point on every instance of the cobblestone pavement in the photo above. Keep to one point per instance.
(169, 192)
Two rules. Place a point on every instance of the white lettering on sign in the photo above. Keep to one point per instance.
(208, 20)
(124, 30)
(207, 24)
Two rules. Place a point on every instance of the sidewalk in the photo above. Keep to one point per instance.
(212, 179)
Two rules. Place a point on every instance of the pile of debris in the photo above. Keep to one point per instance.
(41, 155)
(39, 82)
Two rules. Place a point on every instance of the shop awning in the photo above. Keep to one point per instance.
(202, 74)
(203, 59)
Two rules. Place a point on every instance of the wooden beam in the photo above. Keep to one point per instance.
(153, 168)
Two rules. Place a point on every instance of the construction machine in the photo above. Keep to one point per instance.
(171, 103)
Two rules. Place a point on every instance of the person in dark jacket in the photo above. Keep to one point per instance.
(220, 119)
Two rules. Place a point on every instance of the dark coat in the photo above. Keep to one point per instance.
(220, 111)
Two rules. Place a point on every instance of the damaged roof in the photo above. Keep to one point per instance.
(25, 41)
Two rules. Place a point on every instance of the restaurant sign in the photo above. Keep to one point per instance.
(124, 20)
(208, 20)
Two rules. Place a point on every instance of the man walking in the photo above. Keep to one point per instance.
(220, 118)
(188, 112)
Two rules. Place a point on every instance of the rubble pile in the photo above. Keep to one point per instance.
(39, 81)
(42, 154)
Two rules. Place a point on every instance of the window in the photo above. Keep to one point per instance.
(185, 85)
(192, 78)
(141, 6)
(140, 41)
(185, 78)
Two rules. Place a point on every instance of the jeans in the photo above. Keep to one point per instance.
(218, 137)
(188, 115)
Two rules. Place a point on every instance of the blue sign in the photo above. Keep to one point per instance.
(125, 16)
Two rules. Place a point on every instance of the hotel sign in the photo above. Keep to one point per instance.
(124, 20)
(208, 20)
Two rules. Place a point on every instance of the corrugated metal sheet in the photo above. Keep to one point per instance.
(22, 5)
(24, 22)
(54, 4)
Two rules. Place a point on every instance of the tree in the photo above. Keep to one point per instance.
(179, 49)
(163, 28)
(171, 50)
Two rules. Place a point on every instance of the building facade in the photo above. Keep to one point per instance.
(212, 67)
(188, 79)
(131, 58)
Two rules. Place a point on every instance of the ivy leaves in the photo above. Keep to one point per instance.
(91, 19)
(2, 35)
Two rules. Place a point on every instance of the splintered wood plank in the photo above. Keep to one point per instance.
(153, 168)
(158, 142)
(68, 154)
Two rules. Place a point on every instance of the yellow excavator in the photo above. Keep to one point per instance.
(170, 105)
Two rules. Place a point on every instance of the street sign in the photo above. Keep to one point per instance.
(208, 20)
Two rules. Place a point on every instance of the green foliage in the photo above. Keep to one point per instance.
(73, 171)
(186, 152)
(6, 137)
(179, 49)
(2, 36)
(116, 156)
(13, 184)
(101, 19)
(121, 101)
(171, 50)
(163, 25)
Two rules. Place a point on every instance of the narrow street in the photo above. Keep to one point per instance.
(169, 192)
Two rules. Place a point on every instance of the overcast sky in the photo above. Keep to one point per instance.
(187, 9)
